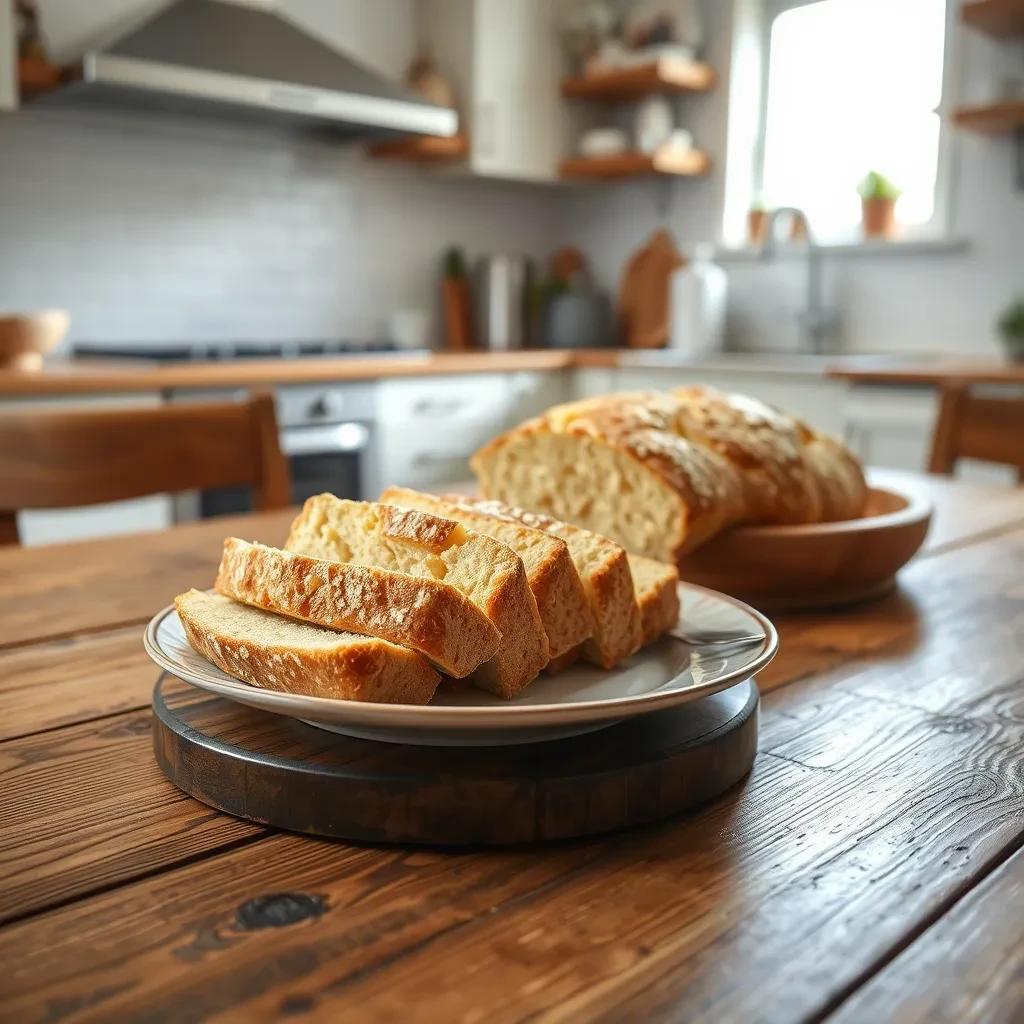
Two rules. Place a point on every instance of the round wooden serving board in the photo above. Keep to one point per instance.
(281, 772)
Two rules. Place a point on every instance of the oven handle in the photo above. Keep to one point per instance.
(338, 438)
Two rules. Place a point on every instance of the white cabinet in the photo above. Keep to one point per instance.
(505, 60)
(428, 427)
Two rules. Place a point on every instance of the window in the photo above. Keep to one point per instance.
(852, 86)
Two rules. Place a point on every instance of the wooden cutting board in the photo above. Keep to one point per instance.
(279, 771)
(644, 292)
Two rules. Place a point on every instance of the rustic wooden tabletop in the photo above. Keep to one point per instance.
(869, 869)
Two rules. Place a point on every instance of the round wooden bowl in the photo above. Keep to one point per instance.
(26, 337)
(819, 565)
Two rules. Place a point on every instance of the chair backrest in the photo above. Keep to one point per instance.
(58, 459)
(975, 427)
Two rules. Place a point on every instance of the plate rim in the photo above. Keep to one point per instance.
(495, 716)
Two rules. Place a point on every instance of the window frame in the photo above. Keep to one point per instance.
(940, 224)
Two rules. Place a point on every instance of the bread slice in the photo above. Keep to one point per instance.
(656, 588)
(657, 594)
(607, 583)
(275, 653)
(489, 573)
(553, 578)
(429, 616)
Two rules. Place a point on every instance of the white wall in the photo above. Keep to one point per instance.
(155, 229)
(913, 302)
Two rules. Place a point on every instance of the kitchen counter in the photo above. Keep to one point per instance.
(90, 376)
(932, 372)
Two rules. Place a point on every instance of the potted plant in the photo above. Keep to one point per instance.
(878, 197)
(1011, 327)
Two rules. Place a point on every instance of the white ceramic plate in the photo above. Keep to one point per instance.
(578, 700)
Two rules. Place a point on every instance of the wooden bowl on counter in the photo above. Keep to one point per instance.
(818, 565)
(26, 337)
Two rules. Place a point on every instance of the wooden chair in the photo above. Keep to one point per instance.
(973, 427)
(58, 459)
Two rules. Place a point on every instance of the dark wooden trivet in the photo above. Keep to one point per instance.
(279, 771)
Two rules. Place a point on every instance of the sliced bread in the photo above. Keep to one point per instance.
(488, 572)
(656, 587)
(657, 594)
(429, 616)
(549, 567)
(275, 653)
(607, 583)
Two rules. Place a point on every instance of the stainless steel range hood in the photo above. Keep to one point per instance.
(241, 60)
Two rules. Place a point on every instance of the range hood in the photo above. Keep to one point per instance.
(242, 60)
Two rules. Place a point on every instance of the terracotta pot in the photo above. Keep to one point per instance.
(879, 217)
(757, 221)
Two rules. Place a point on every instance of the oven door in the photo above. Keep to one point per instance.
(334, 457)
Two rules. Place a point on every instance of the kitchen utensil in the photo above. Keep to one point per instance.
(819, 565)
(503, 284)
(717, 639)
(698, 306)
(279, 772)
(664, 675)
(644, 292)
(578, 320)
(455, 298)
(26, 337)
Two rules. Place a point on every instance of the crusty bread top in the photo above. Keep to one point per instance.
(278, 653)
(428, 615)
(729, 458)
(553, 577)
(488, 572)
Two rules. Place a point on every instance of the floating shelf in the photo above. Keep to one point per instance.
(422, 149)
(685, 163)
(1003, 19)
(992, 119)
(667, 75)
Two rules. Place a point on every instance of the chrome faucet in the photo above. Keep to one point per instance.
(817, 322)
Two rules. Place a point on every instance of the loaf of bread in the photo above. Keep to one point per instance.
(603, 569)
(555, 583)
(422, 613)
(488, 572)
(275, 653)
(662, 472)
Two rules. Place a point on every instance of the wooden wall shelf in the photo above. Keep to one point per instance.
(684, 163)
(422, 149)
(992, 119)
(1003, 19)
(668, 75)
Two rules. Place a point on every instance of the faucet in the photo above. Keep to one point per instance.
(817, 322)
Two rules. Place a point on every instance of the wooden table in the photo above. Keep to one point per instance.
(869, 869)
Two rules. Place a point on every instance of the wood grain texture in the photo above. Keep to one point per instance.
(63, 589)
(61, 458)
(83, 377)
(968, 966)
(668, 75)
(97, 788)
(273, 769)
(73, 680)
(973, 427)
(889, 785)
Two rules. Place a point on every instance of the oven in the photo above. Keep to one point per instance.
(327, 435)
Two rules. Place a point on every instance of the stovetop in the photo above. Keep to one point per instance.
(218, 351)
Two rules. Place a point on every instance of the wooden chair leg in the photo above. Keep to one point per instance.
(947, 428)
(9, 528)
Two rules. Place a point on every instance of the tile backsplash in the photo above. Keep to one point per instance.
(153, 228)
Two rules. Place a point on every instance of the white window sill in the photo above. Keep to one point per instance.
(901, 247)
